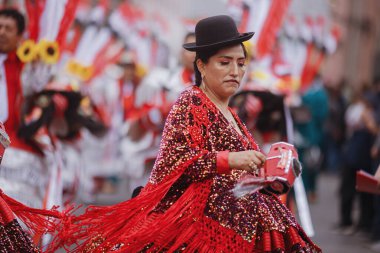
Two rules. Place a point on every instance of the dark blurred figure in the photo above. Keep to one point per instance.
(375, 153)
(334, 129)
(361, 129)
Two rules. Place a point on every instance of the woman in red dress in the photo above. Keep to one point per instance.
(188, 204)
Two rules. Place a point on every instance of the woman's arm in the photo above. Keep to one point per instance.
(185, 136)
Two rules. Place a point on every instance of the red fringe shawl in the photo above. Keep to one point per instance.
(135, 227)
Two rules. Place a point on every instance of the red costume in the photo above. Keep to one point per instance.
(22, 170)
(13, 68)
(188, 204)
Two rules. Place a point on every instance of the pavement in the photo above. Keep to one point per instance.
(324, 213)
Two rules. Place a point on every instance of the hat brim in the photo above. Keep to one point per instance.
(242, 37)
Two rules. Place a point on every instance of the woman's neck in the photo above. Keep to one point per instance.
(222, 104)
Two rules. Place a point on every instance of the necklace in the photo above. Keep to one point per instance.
(230, 119)
(227, 115)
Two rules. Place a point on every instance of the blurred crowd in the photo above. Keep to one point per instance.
(87, 89)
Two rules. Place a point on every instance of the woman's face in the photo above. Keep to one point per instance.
(224, 71)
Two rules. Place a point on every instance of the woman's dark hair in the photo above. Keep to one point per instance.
(16, 16)
(204, 56)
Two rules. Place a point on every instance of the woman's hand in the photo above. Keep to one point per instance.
(250, 160)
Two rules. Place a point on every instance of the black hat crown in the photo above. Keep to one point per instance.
(215, 32)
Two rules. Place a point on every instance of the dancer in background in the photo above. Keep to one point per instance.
(21, 169)
(152, 100)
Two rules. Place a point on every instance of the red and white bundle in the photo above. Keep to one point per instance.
(278, 174)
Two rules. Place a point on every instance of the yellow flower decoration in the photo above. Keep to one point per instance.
(85, 106)
(260, 75)
(48, 51)
(72, 67)
(86, 72)
(81, 71)
(249, 46)
(141, 71)
(85, 102)
(288, 85)
(28, 51)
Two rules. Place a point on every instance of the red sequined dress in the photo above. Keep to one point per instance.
(187, 205)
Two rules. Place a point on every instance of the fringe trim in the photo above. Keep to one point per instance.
(128, 220)
(182, 228)
(38, 221)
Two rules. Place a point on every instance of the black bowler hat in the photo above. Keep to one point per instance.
(215, 32)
